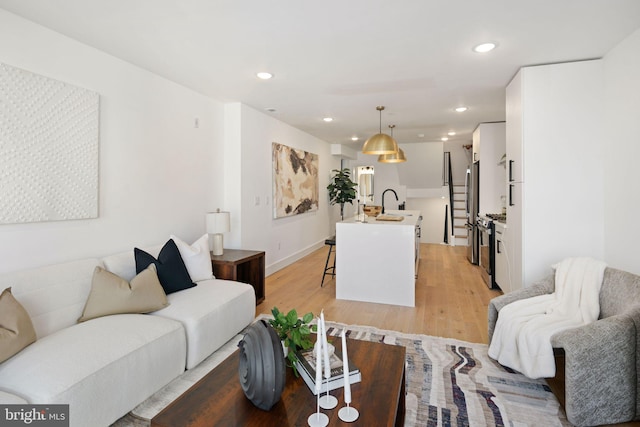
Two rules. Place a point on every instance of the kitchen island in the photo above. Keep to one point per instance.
(376, 261)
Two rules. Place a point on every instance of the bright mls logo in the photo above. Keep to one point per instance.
(34, 415)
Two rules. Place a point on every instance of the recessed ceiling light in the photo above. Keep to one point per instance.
(461, 109)
(484, 47)
(451, 133)
(444, 138)
(421, 135)
(328, 119)
(264, 75)
(354, 138)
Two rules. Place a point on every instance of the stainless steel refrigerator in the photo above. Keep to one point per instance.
(472, 184)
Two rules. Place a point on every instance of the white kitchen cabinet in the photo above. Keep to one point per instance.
(513, 130)
(501, 272)
(488, 147)
(475, 147)
(376, 260)
(515, 235)
(555, 145)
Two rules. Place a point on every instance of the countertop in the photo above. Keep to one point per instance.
(410, 217)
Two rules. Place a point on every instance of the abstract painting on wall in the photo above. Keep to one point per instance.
(49, 133)
(295, 181)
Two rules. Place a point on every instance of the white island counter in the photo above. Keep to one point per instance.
(376, 260)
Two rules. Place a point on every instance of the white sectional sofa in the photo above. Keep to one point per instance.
(106, 366)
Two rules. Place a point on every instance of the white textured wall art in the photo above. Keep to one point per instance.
(48, 149)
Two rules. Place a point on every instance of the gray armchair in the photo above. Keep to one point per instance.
(602, 359)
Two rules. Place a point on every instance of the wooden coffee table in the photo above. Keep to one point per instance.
(218, 400)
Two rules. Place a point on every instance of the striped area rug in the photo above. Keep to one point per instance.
(455, 383)
(449, 383)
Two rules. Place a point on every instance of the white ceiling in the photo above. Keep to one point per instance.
(342, 58)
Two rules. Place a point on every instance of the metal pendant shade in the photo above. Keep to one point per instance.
(397, 157)
(380, 143)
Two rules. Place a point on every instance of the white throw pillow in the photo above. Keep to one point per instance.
(196, 257)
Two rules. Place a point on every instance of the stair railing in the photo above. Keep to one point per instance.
(446, 225)
(447, 179)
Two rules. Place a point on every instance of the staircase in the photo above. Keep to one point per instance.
(459, 215)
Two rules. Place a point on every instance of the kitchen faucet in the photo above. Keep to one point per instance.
(393, 191)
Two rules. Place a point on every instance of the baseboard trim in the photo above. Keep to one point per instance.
(279, 265)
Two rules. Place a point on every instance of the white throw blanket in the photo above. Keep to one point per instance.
(522, 336)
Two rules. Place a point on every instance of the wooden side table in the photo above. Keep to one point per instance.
(241, 266)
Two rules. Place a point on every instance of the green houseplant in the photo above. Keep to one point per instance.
(341, 189)
(293, 331)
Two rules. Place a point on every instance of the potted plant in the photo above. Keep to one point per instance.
(293, 332)
(341, 189)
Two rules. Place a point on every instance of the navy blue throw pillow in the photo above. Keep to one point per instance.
(172, 272)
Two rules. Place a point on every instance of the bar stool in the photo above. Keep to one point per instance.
(331, 271)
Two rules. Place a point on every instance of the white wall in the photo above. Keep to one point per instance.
(622, 154)
(158, 174)
(284, 239)
(433, 212)
(423, 168)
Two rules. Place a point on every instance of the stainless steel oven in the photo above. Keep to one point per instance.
(486, 259)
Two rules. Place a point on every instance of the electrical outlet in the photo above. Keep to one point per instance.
(257, 201)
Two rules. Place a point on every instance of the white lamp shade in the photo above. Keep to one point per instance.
(218, 222)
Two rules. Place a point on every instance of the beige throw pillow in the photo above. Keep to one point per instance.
(111, 294)
(16, 329)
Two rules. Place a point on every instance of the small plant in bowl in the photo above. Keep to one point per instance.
(294, 332)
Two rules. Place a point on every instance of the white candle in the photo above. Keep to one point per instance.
(345, 369)
(325, 347)
(318, 364)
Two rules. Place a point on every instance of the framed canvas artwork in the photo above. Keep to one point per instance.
(295, 181)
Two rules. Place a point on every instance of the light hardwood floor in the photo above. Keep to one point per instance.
(451, 298)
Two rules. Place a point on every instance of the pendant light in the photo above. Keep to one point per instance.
(397, 157)
(380, 143)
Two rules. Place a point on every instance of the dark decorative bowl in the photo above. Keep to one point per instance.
(262, 365)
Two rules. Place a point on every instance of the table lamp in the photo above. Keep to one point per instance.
(218, 223)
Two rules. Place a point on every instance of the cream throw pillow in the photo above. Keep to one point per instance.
(111, 294)
(16, 329)
(196, 257)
